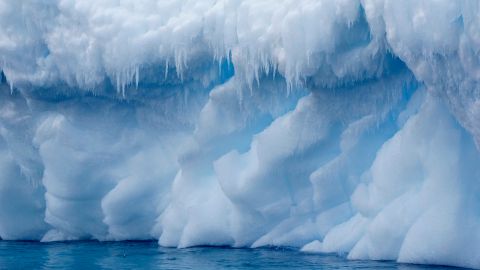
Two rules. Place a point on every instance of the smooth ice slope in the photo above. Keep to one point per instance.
(332, 126)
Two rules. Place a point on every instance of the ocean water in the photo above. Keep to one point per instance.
(148, 255)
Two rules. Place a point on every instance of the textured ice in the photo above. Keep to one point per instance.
(343, 126)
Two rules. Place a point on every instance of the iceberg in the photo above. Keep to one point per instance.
(347, 126)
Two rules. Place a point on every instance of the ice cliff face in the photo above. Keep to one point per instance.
(333, 126)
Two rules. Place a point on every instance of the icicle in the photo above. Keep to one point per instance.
(257, 76)
(11, 87)
(118, 82)
(123, 87)
(136, 76)
(166, 69)
(220, 67)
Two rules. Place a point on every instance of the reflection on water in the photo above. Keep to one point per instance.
(148, 255)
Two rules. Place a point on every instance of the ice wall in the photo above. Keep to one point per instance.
(332, 126)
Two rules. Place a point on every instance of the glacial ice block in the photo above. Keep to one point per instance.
(348, 126)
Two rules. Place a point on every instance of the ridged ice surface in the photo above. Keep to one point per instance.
(344, 126)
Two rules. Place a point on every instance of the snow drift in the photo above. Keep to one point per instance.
(342, 126)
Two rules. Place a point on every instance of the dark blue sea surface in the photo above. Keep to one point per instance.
(148, 255)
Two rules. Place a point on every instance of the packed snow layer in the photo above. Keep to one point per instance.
(341, 126)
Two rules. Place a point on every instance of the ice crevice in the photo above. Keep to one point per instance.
(347, 126)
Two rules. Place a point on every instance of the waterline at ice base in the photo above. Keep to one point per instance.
(347, 127)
